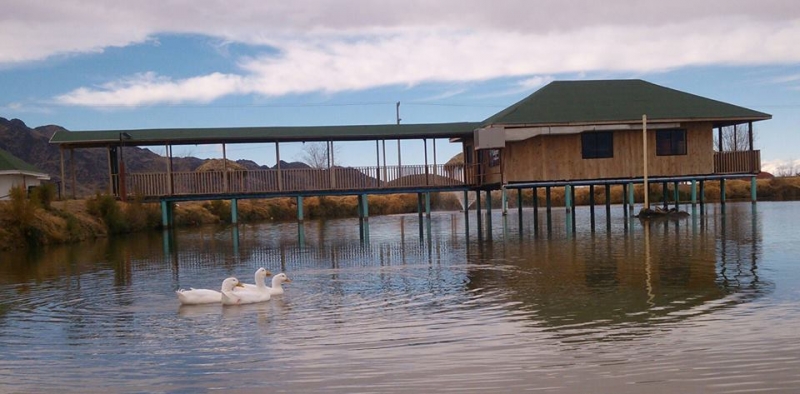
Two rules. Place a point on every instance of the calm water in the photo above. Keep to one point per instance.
(698, 305)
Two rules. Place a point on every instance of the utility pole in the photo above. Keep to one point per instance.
(399, 161)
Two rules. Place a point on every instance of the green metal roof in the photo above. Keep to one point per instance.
(262, 134)
(9, 162)
(617, 101)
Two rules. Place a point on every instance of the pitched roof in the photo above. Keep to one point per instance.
(264, 134)
(618, 101)
(9, 162)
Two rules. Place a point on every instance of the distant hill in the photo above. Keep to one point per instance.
(91, 170)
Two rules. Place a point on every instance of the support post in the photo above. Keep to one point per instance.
(504, 200)
(631, 199)
(677, 196)
(644, 160)
(549, 204)
(568, 206)
(702, 197)
(234, 211)
(625, 201)
(753, 191)
(301, 230)
(278, 165)
(519, 208)
(73, 176)
(466, 212)
(722, 193)
(694, 192)
(428, 205)
(608, 206)
(365, 215)
(478, 213)
(63, 184)
(664, 194)
(489, 213)
(425, 148)
(591, 206)
(166, 214)
(225, 183)
(535, 210)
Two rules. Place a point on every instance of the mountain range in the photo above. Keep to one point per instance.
(91, 165)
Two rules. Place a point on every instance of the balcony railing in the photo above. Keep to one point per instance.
(293, 180)
(740, 162)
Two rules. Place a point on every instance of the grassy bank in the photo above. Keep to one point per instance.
(34, 220)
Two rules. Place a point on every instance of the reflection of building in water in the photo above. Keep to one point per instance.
(669, 272)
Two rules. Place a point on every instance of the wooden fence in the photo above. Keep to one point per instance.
(293, 180)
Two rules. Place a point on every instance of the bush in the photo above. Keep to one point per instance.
(105, 207)
(43, 195)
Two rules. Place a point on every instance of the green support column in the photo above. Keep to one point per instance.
(428, 214)
(631, 200)
(722, 193)
(753, 191)
(677, 195)
(549, 203)
(702, 197)
(519, 208)
(365, 215)
(166, 214)
(428, 205)
(625, 201)
(489, 213)
(234, 211)
(535, 210)
(503, 201)
(478, 213)
(466, 213)
(608, 206)
(591, 206)
(568, 206)
(419, 215)
(301, 231)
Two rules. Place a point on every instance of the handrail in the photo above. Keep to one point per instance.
(294, 180)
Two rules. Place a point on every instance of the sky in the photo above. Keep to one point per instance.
(110, 65)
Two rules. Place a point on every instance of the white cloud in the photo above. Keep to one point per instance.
(334, 46)
(149, 88)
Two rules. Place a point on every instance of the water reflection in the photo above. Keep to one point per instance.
(357, 310)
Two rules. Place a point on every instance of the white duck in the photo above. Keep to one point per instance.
(242, 296)
(277, 283)
(204, 296)
(260, 278)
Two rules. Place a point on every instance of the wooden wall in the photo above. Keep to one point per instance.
(558, 157)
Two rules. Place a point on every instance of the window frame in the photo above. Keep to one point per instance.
(590, 149)
(672, 142)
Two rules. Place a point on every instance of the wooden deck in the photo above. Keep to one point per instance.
(289, 181)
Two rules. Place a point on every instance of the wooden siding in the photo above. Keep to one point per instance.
(558, 157)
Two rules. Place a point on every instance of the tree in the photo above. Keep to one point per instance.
(315, 154)
(734, 138)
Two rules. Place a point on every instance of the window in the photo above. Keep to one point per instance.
(670, 142)
(597, 145)
(494, 157)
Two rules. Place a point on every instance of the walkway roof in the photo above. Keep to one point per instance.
(617, 102)
(144, 137)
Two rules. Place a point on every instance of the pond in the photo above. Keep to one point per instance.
(698, 304)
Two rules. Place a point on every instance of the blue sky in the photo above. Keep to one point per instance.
(92, 65)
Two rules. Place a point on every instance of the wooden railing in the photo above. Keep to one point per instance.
(293, 180)
(740, 162)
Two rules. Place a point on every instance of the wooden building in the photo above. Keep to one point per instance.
(594, 130)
